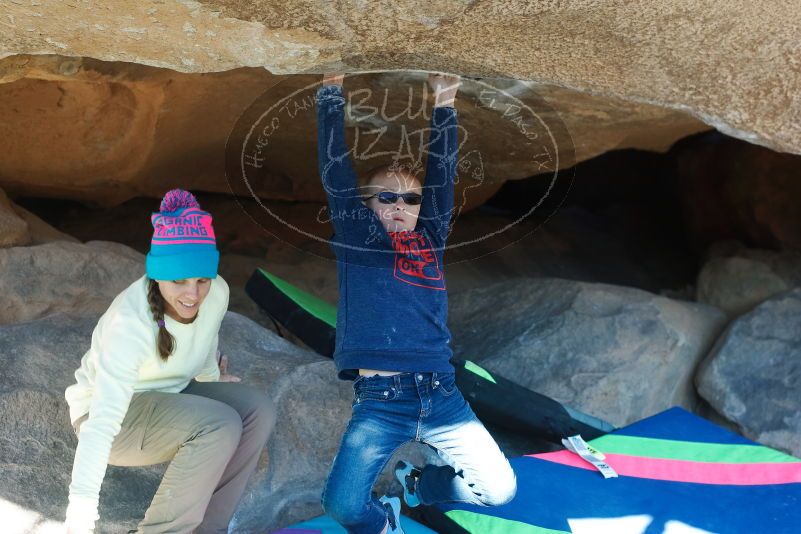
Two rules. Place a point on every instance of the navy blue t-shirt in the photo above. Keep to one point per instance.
(393, 304)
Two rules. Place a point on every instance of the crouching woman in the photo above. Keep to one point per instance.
(148, 389)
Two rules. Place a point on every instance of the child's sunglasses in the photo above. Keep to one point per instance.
(388, 197)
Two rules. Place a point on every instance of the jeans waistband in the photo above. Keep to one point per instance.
(401, 380)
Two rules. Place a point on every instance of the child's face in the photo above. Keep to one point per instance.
(399, 216)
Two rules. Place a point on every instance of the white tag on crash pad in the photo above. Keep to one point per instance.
(577, 445)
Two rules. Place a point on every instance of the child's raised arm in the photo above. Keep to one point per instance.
(349, 215)
(442, 147)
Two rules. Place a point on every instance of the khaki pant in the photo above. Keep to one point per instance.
(212, 433)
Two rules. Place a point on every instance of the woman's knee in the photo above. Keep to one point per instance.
(262, 411)
(222, 426)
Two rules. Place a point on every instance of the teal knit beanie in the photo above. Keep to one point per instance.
(183, 244)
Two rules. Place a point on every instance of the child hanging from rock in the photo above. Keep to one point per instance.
(391, 335)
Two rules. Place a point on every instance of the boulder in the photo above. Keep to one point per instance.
(737, 279)
(14, 230)
(617, 353)
(77, 278)
(20, 227)
(41, 232)
(685, 57)
(753, 374)
(142, 132)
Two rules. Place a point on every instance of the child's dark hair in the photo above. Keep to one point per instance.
(164, 341)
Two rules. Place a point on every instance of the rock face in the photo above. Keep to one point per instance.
(730, 65)
(37, 365)
(13, 229)
(617, 353)
(64, 276)
(40, 232)
(39, 360)
(146, 129)
(738, 279)
(19, 227)
(755, 192)
(753, 374)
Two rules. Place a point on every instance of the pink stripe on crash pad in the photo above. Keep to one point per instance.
(687, 471)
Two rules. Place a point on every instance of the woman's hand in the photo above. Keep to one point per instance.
(445, 87)
(223, 365)
(333, 79)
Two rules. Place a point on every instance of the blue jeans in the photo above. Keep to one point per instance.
(389, 411)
